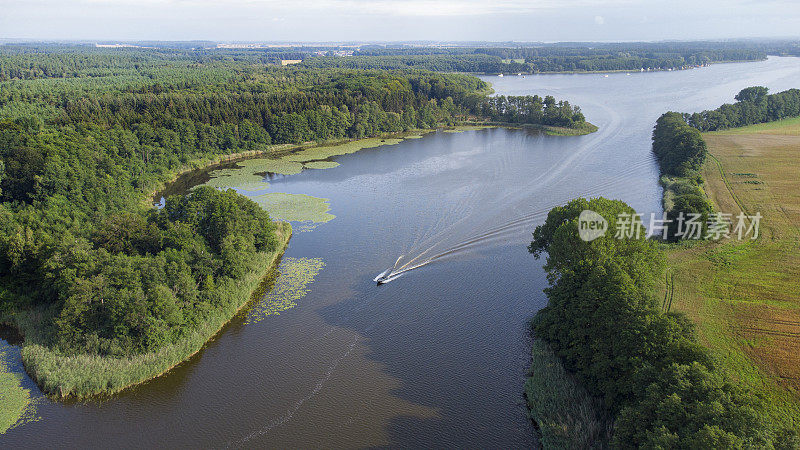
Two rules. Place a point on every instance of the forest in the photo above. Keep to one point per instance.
(605, 323)
(87, 136)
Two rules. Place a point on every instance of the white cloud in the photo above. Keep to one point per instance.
(599, 20)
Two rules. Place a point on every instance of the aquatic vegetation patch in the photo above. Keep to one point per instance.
(295, 274)
(247, 175)
(325, 152)
(321, 164)
(295, 207)
(16, 404)
(566, 416)
(237, 178)
(280, 166)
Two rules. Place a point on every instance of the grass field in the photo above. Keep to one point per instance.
(745, 295)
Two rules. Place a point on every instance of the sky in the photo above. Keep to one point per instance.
(397, 20)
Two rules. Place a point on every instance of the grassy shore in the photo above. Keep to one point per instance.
(83, 376)
(744, 296)
(563, 412)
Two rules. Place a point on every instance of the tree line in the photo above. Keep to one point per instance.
(681, 153)
(532, 109)
(610, 331)
(753, 105)
(36, 61)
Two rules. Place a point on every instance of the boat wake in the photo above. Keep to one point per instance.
(441, 241)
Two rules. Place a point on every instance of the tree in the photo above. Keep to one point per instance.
(690, 406)
(752, 94)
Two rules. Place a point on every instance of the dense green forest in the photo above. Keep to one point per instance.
(615, 336)
(87, 134)
(474, 63)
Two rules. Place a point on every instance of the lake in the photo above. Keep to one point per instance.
(439, 355)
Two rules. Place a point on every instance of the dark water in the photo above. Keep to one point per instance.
(437, 357)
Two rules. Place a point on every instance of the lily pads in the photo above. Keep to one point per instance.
(295, 207)
(294, 276)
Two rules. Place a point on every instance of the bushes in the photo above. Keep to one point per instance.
(690, 406)
(604, 322)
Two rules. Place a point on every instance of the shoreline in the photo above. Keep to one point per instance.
(587, 128)
(590, 72)
(280, 150)
(99, 376)
(270, 151)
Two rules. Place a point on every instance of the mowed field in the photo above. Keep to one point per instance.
(745, 295)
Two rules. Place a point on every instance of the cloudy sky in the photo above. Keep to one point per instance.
(396, 20)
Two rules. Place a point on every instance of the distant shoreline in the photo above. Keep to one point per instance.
(594, 72)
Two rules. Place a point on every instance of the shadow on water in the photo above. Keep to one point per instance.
(465, 346)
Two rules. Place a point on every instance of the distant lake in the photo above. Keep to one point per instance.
(437, 357)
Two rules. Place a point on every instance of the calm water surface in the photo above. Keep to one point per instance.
(437, 357)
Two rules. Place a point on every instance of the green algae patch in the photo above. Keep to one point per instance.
(16, 404)
(295, 207)
(321, 164)
(294, 276)
(325, 152)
